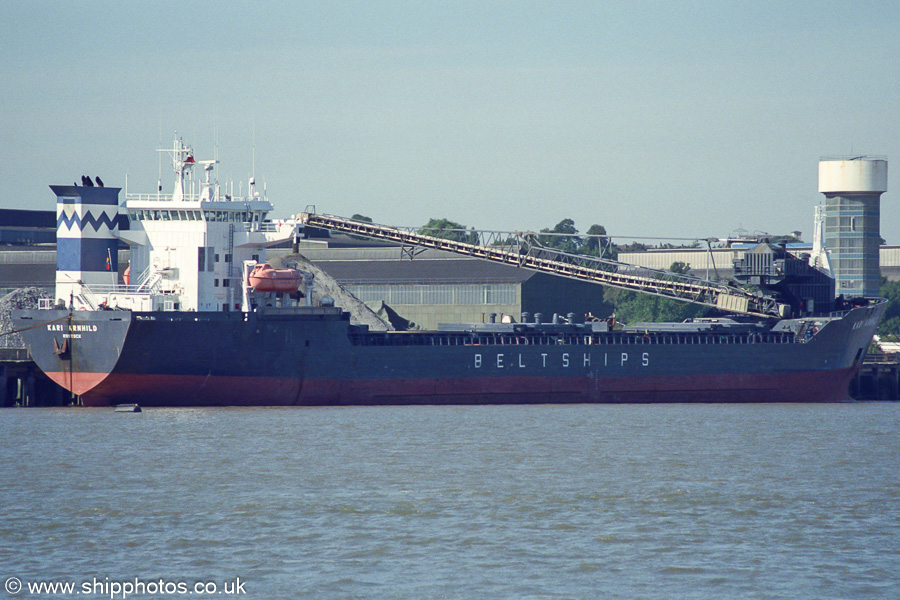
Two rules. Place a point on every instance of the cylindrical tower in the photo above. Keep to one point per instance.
(853, 186)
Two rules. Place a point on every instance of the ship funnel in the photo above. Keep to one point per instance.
(87, 241)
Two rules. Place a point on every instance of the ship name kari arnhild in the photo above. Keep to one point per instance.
(201, 320)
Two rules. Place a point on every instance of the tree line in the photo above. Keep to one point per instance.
(890, 322)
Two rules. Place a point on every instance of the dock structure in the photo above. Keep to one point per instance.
(878, 379)
(22, 383)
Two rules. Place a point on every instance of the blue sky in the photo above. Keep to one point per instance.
(685, 119)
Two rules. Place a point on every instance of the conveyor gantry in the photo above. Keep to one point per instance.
(523, 250)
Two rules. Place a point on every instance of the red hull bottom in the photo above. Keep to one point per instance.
(185, 390)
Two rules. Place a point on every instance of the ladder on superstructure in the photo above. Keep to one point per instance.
(523, 250)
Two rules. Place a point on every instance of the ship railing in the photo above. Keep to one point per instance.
(146, 284)
(148, 281)
(87, 296)
(107, 289)
(838, 314)
(571, 339)
(132, 197)
(269, 227)
(264, 227)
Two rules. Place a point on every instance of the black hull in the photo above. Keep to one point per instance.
(313, 358)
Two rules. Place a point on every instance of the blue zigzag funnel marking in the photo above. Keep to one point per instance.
(89, 219)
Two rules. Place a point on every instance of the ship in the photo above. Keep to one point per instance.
(207, 322)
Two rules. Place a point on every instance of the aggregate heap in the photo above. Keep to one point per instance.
(18, 299)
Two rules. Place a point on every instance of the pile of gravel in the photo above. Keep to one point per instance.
(327, 286)
(21, 298)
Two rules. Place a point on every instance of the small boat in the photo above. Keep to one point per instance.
(128, 408)
(264, 278)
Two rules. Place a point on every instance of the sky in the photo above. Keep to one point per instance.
(653, 119)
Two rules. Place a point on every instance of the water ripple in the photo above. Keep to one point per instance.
(654, 502)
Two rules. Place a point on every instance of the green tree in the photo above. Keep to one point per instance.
(442, 228)
(634, 247)
(361, 218)
(890, 322)
(568, 243)
(680, 267)
(637, 307)
(597, 243)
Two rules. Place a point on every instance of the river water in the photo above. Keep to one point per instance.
(581, 501)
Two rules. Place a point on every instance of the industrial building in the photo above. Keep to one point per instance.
(717, 263)
(27, 227)
(439, 287)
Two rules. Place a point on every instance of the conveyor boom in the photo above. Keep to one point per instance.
(523, 250)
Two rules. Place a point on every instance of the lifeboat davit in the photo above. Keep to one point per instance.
(263, 278)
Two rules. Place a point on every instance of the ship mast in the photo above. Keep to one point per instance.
(182, 162)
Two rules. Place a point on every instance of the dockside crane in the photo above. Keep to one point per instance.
(523, 250)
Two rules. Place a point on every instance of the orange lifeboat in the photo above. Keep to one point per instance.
(264, 278)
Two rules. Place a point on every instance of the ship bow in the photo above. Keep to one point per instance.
(77, 349)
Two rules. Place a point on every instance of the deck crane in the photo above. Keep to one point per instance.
(523, 250)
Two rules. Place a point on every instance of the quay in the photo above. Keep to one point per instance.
(22, 383)
(878, 379)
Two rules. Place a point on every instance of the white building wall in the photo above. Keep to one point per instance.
(700, 260)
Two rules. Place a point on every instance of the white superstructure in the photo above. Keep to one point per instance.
(187, 248)
(819, 257)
